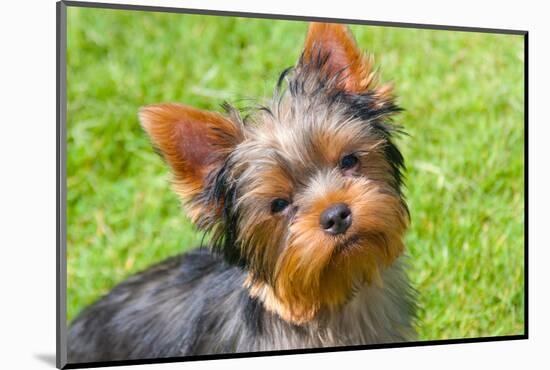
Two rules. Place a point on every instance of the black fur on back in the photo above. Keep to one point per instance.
(168, 310)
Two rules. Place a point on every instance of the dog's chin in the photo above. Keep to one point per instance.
(356, 256)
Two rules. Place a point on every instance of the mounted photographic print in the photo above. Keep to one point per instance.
(237, 184)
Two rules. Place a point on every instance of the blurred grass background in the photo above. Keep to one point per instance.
(463, 95)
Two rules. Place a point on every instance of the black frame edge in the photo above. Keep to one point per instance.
(293, 352)
(61, 190)
(526, 185)
(151, 8)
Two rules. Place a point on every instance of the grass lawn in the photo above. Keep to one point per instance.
(463, 95)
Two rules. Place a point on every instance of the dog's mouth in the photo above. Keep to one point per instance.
(348, 243)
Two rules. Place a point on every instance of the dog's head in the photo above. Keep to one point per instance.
(305, 194)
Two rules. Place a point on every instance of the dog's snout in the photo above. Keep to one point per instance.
(336, 219)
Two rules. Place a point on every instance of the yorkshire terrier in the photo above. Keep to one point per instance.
(303, 205)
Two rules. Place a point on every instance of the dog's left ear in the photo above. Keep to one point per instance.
(335, 43)
(193, 142)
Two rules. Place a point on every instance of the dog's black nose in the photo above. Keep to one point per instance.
(336, 219)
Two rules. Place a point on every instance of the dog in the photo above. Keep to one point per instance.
(303, 205)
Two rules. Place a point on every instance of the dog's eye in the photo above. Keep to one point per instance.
(348, 161)
(279, 205)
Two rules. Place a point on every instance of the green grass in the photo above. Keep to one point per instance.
(463, 94)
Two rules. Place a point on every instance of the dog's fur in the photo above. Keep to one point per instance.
(275, 277)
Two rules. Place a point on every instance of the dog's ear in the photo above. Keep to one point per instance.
(332, 48)
(193, 142)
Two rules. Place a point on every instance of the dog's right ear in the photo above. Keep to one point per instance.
(193, 142)
(334, 46)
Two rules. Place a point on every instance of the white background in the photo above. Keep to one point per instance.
(27, 182)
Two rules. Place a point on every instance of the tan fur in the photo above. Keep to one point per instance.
(312, 273)
(293, 152)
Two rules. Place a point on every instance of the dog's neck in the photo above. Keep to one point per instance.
(366, 318)
(378, 313)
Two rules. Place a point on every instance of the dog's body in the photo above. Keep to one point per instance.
(195, 304)
(304, 206)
